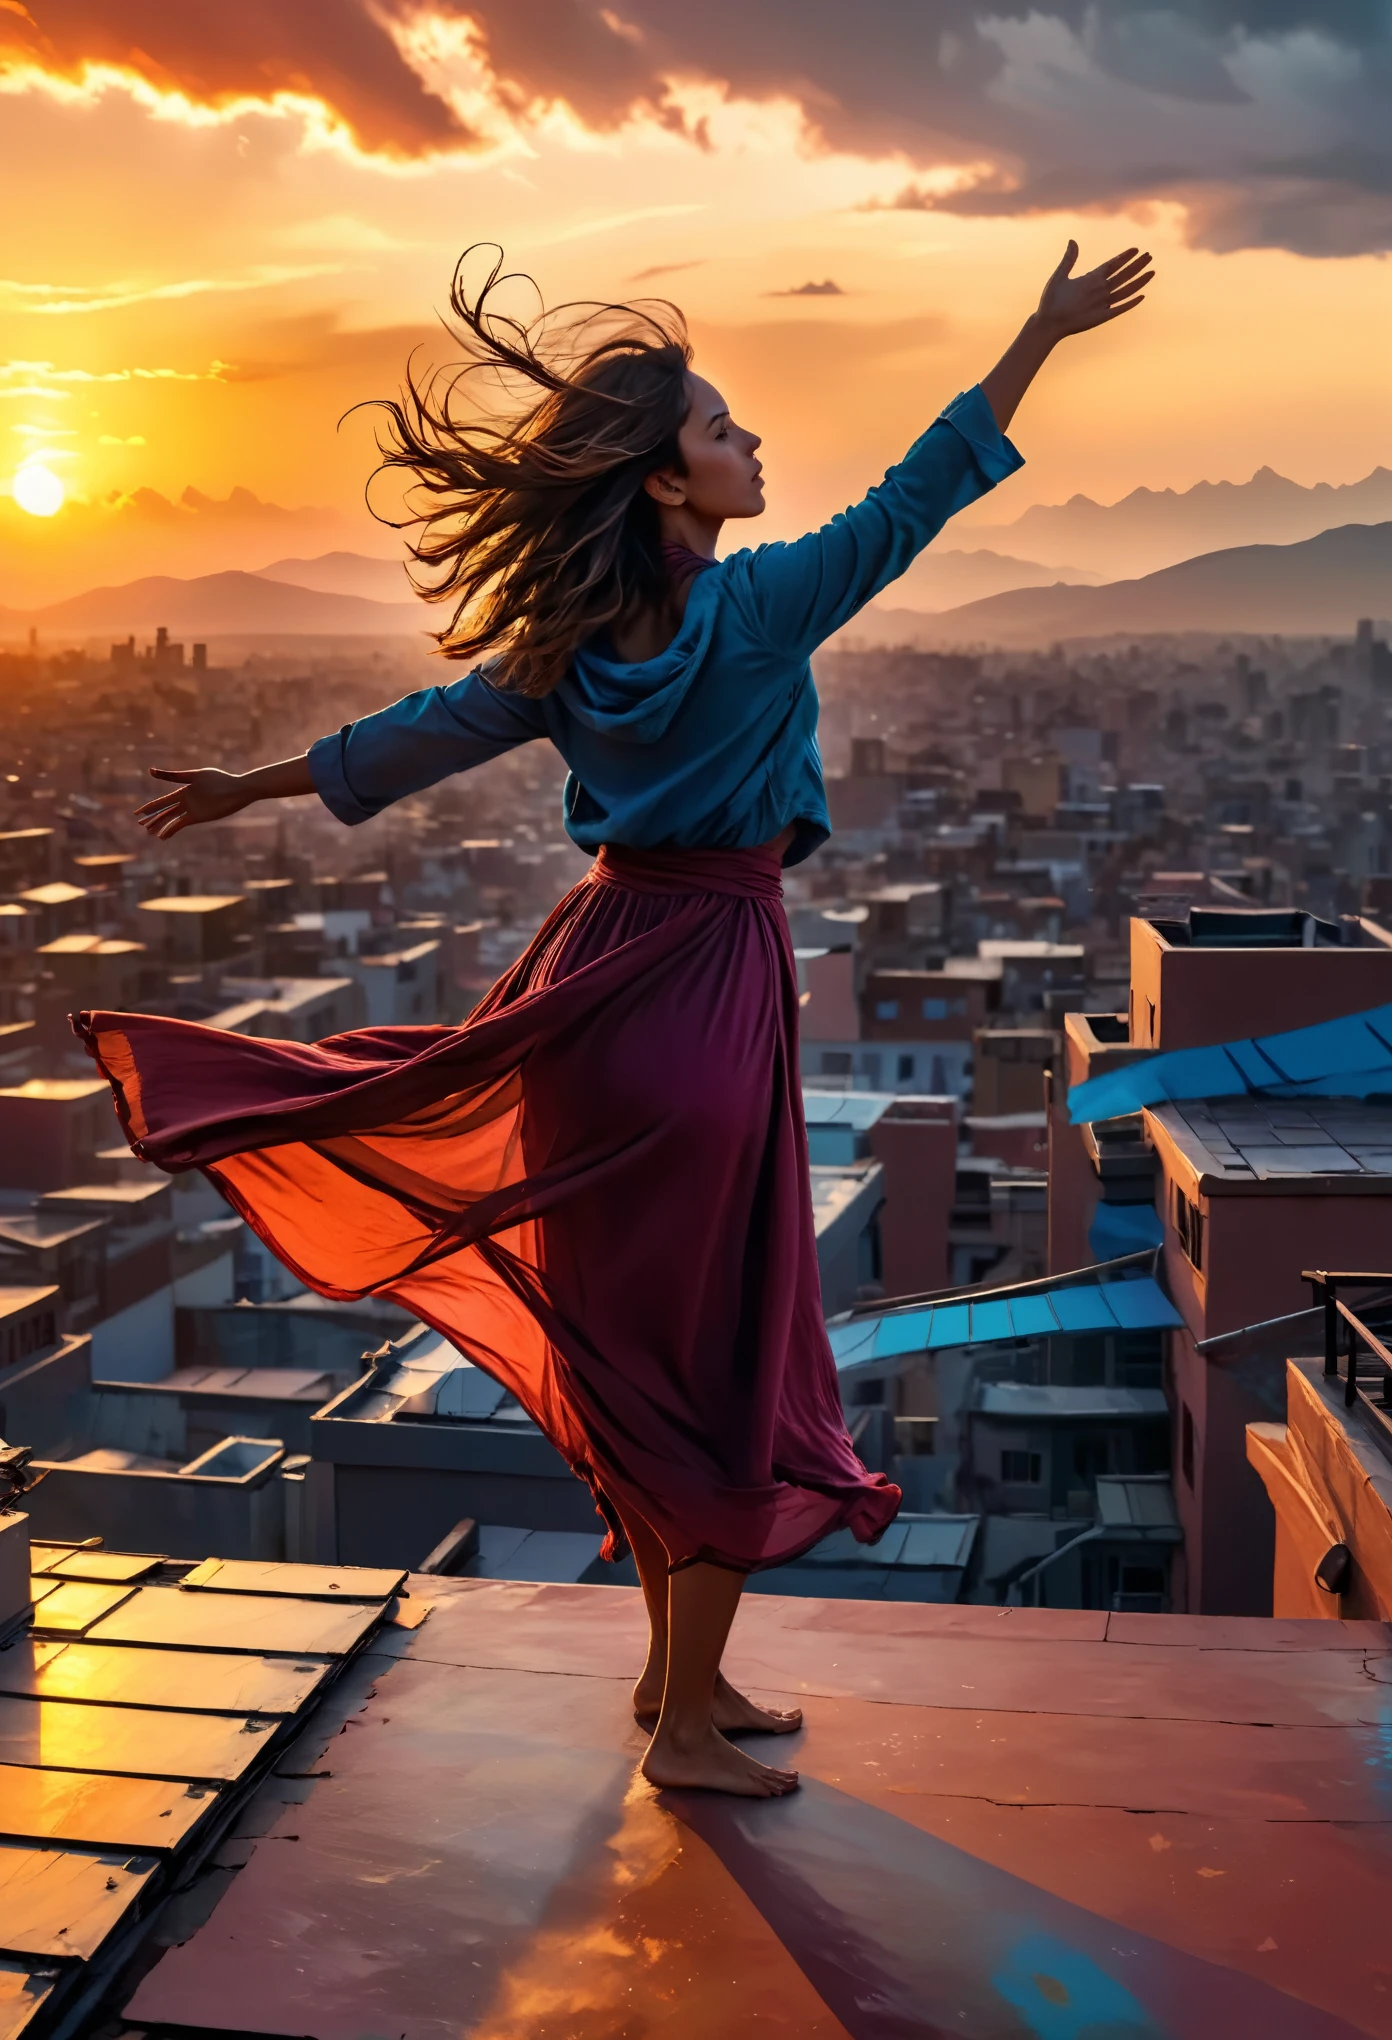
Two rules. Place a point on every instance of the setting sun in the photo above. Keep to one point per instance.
(38, 490)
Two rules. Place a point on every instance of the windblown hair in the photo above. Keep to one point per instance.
(533, 519)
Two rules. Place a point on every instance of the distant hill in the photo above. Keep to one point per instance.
(352, 594)
(1153, 528)
(112, 539)
(221, 605)
(1322, 585)
(945, 580)
(351, 573)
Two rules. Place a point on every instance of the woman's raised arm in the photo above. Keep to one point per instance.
(1069, 304)
(798, 594)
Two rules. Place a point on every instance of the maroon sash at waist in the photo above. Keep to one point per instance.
(750, 874)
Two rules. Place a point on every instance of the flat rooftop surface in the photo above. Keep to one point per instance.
(1258, 1139)
(1012, 1823)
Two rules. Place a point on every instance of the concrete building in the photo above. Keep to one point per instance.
(133, 1340)
(847, 1200)
(1018, 1404)
(1327, 1466)
(421, 1441)
(1217, 975)
(27, 858)
(291, 1009)
(1240, 1193)
(1008, 1065)
(58, 909)
(64, 1250)
(906, 1031)
(100, 972)
(1250, 1192)
(50, 1130)
(400, 987)
(1015, 1404)
(193, 930)
(914, 1140)
(28, 1322)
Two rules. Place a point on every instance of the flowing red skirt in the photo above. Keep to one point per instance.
(597, 1188)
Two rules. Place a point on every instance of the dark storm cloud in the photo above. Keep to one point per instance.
(1270, 120)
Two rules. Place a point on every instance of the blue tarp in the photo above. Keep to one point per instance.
(1124, 1229)
(1346, 1058)
(1137, 1304)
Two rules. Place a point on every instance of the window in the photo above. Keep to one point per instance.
(1021, 1469)
(944, 1009)
(905, 1069)
(886, 1009)
(1186, 1442)
(836, 1062)
(1189, 1227)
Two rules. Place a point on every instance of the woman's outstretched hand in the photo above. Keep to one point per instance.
(204, 795)
(211, 795)
(1075, 304)
(1070, 304)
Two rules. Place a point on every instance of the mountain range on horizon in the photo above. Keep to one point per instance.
(1154, 528)
(118, 540)
(1314, 587)
(231, 604)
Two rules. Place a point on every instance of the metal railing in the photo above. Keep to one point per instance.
(1325, 1284)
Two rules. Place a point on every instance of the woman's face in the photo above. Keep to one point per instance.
(723, 476)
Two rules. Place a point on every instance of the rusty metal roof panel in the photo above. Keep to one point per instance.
(110, 1568)
(134, 1723)
(145, 1742)
(74, 1605)
(300, 1582)
(237, 1622)
(57, 1902)
(191, 1681)
(24, 1991)
(104, 1813)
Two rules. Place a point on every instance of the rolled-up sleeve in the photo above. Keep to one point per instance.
(423, 738)
(801, 592)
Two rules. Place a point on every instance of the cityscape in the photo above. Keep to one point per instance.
(317, 1705)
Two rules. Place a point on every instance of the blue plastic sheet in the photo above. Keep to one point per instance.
(1139, 1313)
(1124, 1229)
(951, 1325)
(1134, 1304)
(902, 1332)
(991, 1321)
(1346, 1058)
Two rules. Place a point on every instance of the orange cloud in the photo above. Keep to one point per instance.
(338, 53)
(1265, 119)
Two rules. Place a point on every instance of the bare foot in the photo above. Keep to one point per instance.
(734, 1713)
(709, 1763)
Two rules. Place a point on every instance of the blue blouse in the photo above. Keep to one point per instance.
(713, 743)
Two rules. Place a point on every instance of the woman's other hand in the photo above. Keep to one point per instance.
(204, 795)
(1075, 304)
(211, 795)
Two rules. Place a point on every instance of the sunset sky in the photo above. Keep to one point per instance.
(226, 225)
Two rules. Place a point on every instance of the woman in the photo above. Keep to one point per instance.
(598, 1185)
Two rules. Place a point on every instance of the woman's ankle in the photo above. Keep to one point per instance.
(683, 1730)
